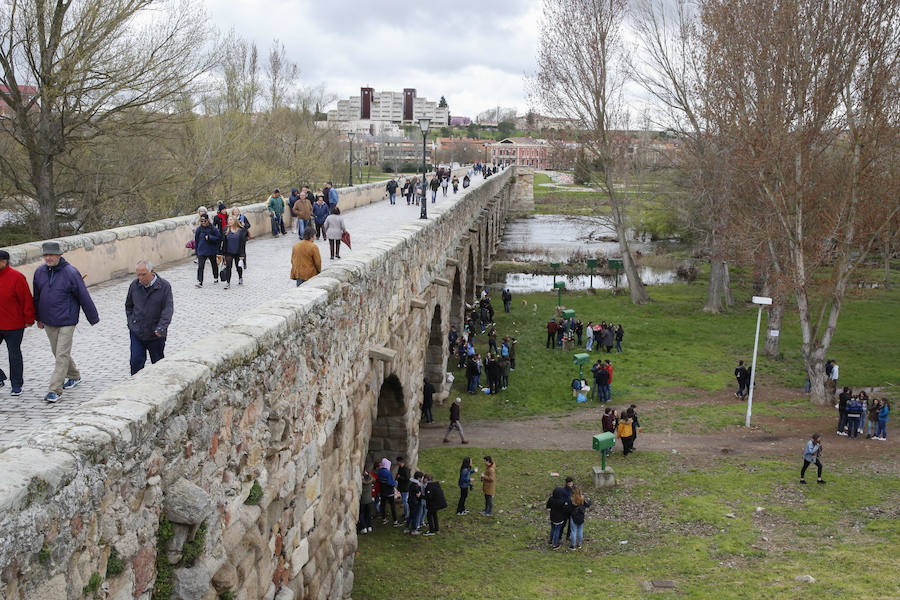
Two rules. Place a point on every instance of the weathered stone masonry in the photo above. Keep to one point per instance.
(234, 465)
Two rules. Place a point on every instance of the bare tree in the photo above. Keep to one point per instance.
(240, 71)
(282, 73)
(806, 94)
(92, 63)
(580, 76)
(669, 65)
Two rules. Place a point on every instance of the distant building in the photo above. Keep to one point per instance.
(521, 152)
(400, 108)
(28, 92)
(539, 122)
(460, 121)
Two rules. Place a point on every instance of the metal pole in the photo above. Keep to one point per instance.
(423, 214)
(753, 367)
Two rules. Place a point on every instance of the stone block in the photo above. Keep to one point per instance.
(382, 353)
(299, 557)
(28, 476)
(187, 503)
(308, 521)
(51, 589)
(604, 478)
(190, 584)
(226, 578)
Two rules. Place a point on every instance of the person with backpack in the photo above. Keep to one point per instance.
(387, 485)
(445, 182)
(465, 484)
(580, 504)
(435, 500)
(391, 189)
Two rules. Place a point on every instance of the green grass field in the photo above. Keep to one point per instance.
(674, 516)
(672, 349)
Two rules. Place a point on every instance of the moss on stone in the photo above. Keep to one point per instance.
(162, 587)
(44, 554)
(226, 595)
(256, 494)
(114, 564)
(93, 584)
(194, 548)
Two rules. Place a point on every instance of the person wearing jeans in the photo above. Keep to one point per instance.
(16, 313)
(883, 413)
(149, 309)
(465, 484)
(275, 204)
(560, 507)
(488, 485)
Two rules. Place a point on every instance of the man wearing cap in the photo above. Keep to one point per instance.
(276, 210)
(16, 313)
(149, 309)
(59, 296)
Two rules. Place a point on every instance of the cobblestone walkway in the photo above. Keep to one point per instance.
(102, 351)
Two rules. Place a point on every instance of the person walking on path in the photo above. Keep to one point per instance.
(334, 229)
(427, 401)
(16, 313)
(306, 262)
(320, 214)
(303, 210)
(59, 296)
(465, 484)
(234, 246)
(883, 413)
(391, 189)
(560, 509)
(435, 501)
(455, 422)
(445, 182)
(434, 185)
(275, 204)
(455, 182)
(811, 455)
(245, 223)
(740, 375)
(580, 504)
(149, 308)
(488, 485)
(207, 240)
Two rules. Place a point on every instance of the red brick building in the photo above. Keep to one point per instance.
(522, 152)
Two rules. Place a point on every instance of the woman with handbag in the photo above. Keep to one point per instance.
(334, 229)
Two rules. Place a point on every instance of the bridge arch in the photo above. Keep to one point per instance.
(389, 431)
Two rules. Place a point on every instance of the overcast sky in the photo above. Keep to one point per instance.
(475, 54)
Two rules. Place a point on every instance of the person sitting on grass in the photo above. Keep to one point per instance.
(811, 455)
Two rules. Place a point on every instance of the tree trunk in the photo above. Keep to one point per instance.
(815, 370)
(726, 285)
(42, 180)
(714, 290)
(635, 285)
(886, 257)
(773, 329)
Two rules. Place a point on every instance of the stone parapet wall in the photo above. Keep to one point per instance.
(233, 465)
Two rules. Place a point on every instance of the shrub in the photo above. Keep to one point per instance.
(255, 496)
(114, 564)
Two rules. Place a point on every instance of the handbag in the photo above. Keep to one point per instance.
(345, 237)
(190, 245)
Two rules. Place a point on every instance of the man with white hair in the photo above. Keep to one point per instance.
(149, 308)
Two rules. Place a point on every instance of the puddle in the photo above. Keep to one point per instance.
(556, 238)
(523, 282)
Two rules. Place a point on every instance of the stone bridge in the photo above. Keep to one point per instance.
(233, 465)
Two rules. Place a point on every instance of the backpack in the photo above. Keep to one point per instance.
(576, 384)
(578, 514)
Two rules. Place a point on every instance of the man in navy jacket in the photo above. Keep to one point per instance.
(59, 296)
(149, 308)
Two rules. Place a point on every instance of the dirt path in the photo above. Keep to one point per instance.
(574, 431)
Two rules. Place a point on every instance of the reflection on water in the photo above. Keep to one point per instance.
(524, 282)
(556, 237)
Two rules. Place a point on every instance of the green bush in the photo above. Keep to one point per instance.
(194, 548)
(93, 584)
(114, 564)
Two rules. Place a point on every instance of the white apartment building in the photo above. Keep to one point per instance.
(393, 107)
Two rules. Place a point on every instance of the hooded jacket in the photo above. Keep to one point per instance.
(207, 240)
(434, 496)
(60, 294)
(559, 505)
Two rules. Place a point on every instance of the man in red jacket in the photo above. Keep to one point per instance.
(16, 313)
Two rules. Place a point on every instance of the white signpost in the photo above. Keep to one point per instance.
(760, 301)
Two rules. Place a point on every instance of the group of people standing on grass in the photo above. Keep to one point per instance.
(568, 509)
(624, 424)
(500, 359)
(599, 336)
(858, 414)
(419, 494)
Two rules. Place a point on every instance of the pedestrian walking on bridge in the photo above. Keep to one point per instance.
(16, 313)
(59, 296)
(149, 308)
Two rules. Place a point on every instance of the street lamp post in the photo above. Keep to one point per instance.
(350, 135)
(759, 301)
(424, 124)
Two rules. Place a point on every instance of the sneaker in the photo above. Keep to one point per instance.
(820, 481)
(240, 281)
(572, 548)
(430, 533)
(579, 547)
(51, 397)
(398, 524)
(405, 530)
(364, 531)
(465, 512)
(803, 481)
(465, 441)
(227, 286)
(70, 383)
(215, 281)
(16, 391)
(415, 532)
(199, 284)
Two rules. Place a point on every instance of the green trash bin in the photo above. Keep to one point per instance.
(603, 442)
(569, 313)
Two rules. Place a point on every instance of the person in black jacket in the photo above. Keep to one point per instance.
(740, 375)
(560, 508)
(414, 498)
(434, 499)
(620, 334)
(427, 402)
(843, 399)
(207, 239)
(402, 478)
(149, 309)
(493, 374)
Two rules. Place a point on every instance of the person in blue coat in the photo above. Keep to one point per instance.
(881, 427)
(811, 454)
(59, 296)
(149, 308)
(320, 214)
(207, 239)
(386, 484)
